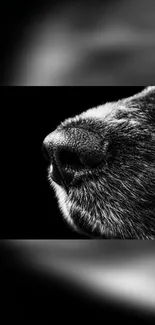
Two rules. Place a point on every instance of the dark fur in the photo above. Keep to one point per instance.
(115, 199)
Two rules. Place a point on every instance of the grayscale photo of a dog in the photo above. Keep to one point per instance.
(102, 168)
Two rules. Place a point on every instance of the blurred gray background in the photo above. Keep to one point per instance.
(79, 43)
(78, 281)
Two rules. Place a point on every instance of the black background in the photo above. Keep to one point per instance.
(29, 114)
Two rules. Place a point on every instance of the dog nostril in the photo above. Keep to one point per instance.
(45, 152)
(69, 158)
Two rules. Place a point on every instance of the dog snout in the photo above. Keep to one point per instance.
(72, 150)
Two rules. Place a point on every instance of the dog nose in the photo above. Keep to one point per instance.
(71, 150)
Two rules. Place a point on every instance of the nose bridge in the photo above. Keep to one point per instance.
(55, 139)
(74, 139)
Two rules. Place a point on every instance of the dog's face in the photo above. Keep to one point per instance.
(102, 168)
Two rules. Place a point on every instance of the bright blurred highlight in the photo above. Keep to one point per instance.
(121, 273)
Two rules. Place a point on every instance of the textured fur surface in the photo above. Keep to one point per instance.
(113, 197)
